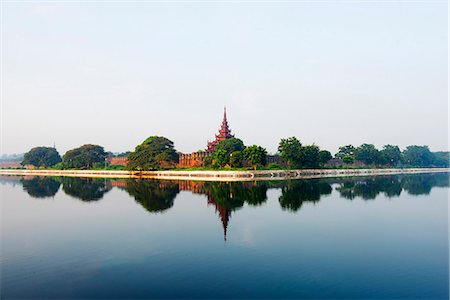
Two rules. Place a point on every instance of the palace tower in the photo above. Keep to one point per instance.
(224, 133)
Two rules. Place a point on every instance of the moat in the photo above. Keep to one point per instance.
(353, 237)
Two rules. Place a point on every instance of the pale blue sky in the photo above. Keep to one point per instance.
(330, 73)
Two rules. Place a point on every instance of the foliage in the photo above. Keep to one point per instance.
(324, 156)
(309, 157)
(155, 153)
(347, 150)
(390, 155)
(418, 156)
(230, 145)
(290, 151)
(221, 158)
(83, 157)
(41, 157)
(256, 155)
(348, 159)
(236, 158)
(207, 161)
(368, 154)
(441, 159)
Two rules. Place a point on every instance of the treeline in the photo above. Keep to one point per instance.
(158, 152)
(390, 155)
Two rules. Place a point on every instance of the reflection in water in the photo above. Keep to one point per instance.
(86, 189)
(295, 192)
(40, 187)
(369, 188)
(226, 197)
(154, 196)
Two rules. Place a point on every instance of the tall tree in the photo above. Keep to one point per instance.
(309, 156)
(324, 156)
(156, 152)
(368, 154)
(290, 151)
(41, 157)
(347, 150)
(84, 157)
(390, 155)
(256, 155)
(230, 145)
(417, 156)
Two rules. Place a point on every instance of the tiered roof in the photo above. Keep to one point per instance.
(224, 133)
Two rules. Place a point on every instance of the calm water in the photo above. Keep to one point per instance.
(375, 237)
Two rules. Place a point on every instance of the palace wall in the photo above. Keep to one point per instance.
(194, 159)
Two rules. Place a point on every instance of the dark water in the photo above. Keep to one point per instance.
(374, 237)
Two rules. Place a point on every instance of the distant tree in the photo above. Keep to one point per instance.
(309, 156)
(417, 156)
(290, 151)
(324, 156)
(221, 158)
(230, 145)
(236, 159)
(41, 157)
(155, 153)
(441, 159)
(84, 157)
(368, 154)
(347, 150)
(123, 154)
(390, 155)
(348, 159)
(256, 155)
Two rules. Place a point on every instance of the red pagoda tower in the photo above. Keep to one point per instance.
(224, 133)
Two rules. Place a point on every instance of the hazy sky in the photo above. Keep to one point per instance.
(329, 73)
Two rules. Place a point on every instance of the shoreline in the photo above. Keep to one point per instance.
(224, 175)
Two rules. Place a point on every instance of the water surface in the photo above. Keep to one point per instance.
(372, 237)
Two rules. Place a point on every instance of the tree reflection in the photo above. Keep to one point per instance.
(422, 184)
(369, 188)
(40, 187)
(86, 189)
(153, 195)
(295, 192)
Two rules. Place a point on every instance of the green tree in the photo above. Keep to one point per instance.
(230, 145)
(417, 156)
(390, 155)
(236, 159)
(221, 158)
(368, 154)
(84, 157)
(309, 156)
(41, 157)
(155, 153)
(348, 159)
(347, 150)
(290, 151)
(256, 155)
(324, 156)
(441, 159)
